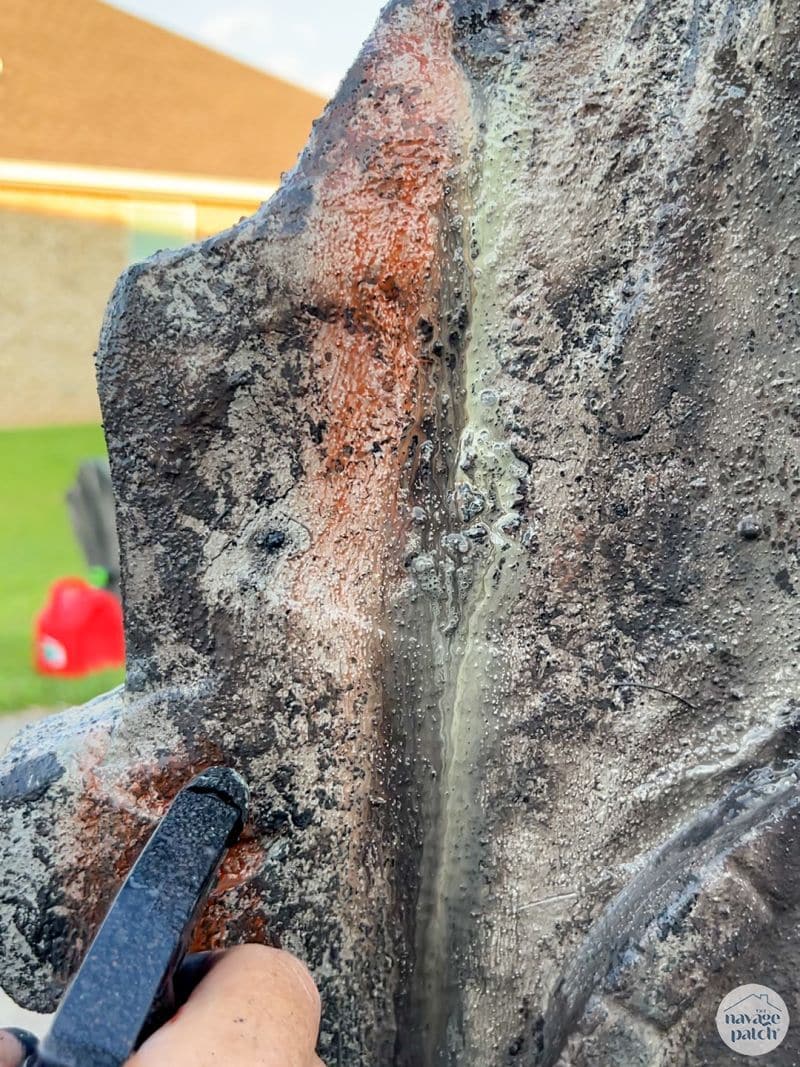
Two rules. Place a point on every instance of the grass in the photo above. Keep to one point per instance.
(37, 546)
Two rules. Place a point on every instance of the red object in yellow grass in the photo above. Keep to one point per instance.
(79, 630)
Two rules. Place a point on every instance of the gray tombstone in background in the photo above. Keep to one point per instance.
(457, 499)
(90, 503)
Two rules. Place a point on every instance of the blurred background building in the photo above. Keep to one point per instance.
(118, 138)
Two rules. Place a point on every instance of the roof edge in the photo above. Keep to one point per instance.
(188, 38)
(113, 181)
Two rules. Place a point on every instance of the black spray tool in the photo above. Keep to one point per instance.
(124, 987)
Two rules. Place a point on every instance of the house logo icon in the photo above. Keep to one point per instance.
(752, 1020)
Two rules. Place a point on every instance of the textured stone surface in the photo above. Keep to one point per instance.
(457, 504)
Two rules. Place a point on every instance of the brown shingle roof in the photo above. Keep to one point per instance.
(86, 84)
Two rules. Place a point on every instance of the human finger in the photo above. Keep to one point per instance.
(258, 1007)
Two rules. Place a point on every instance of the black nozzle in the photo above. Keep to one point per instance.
(125, 980)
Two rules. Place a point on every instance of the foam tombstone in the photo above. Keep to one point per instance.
(457, 499)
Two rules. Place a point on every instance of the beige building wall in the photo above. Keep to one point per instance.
(56, 278)
(67, 234)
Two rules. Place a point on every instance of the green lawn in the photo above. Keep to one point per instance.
(36, 546)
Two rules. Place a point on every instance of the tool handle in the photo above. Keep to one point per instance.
(126, 975)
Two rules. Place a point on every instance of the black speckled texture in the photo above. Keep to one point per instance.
(457, 498)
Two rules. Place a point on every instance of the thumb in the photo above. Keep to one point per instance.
(15, 1046)
(256, 1006)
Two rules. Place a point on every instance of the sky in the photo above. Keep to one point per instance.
(309, 42)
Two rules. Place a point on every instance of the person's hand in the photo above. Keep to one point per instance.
(256, 1007)
(15, 1045)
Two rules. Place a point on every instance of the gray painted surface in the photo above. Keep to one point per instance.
(12, 1014)
(457, 500)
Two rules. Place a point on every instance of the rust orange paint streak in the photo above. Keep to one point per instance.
(242, 863)
(234, 913)
(113, 821)
(377, 256)
(378, 211)
(379, 217)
